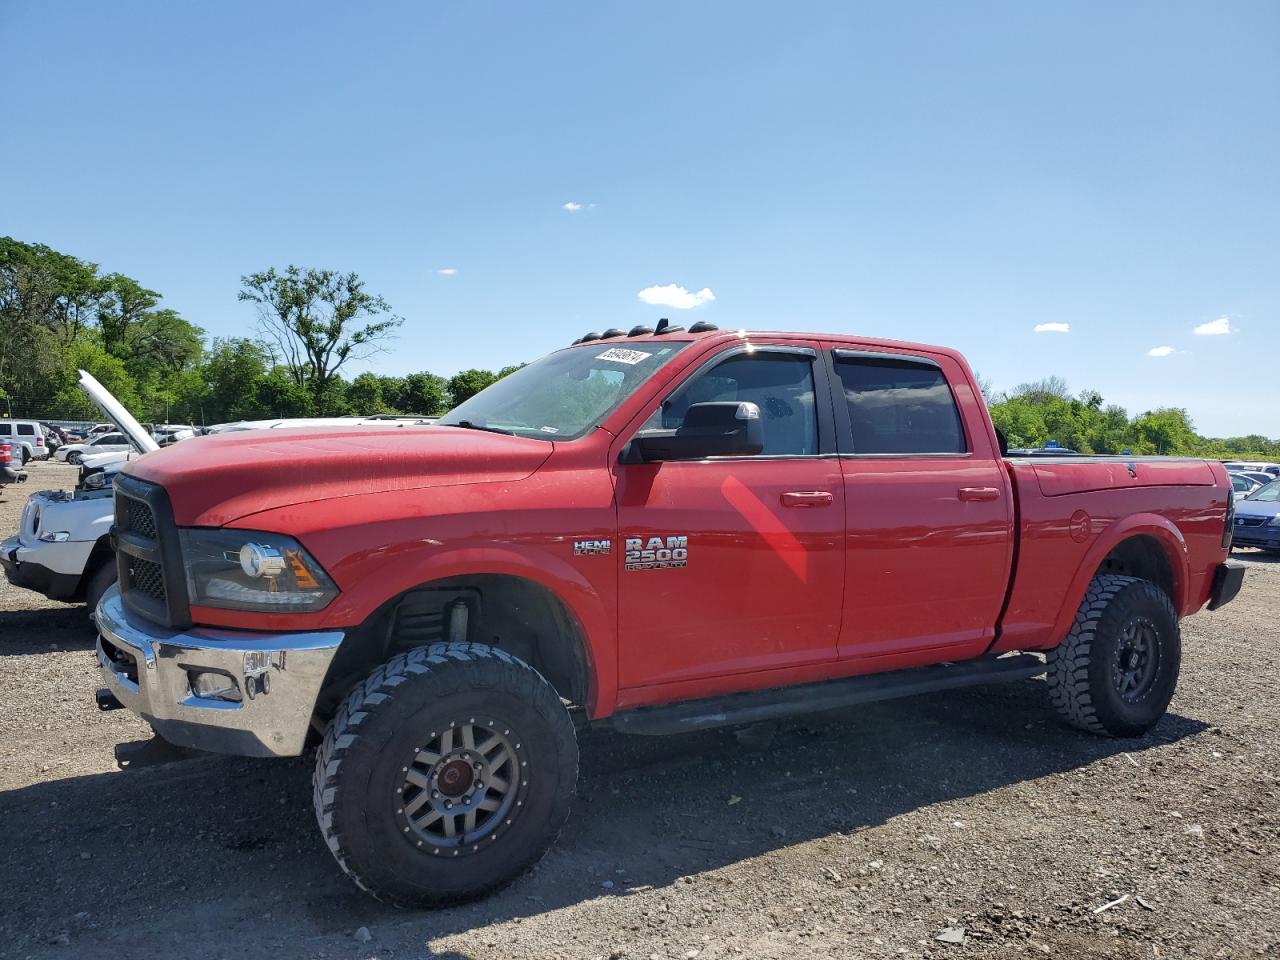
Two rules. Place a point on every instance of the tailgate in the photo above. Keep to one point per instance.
(1070, 475)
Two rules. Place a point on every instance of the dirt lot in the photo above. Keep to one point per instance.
(864, 833)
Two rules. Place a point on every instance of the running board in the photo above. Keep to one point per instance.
(757, 705)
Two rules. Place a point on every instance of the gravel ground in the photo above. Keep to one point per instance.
(971, 816)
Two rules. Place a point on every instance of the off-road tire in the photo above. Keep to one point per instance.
(99, 583)
(1081, 669)
(361, 764)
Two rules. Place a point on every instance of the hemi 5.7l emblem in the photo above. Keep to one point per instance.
(592, 548)
(656, 553)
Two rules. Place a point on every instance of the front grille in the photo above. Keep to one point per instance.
(147, 577)
(138, 518)
(1250, 521)
(149, 564)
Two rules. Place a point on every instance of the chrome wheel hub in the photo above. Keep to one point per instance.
(462, 787)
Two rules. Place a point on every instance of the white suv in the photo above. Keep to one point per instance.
(26, 434)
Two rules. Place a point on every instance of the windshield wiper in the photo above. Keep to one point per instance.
(472, 425)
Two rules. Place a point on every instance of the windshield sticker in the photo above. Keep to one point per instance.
(629, 357)
(549, 429)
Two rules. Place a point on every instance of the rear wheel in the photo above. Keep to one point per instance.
(1116, 670)
(445, 775)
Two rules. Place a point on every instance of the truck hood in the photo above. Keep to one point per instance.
(114, 411)
(214, 480)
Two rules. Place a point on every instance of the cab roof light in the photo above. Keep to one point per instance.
(703, 326)
(611, 333)
(590, 336)
(665, 326)
(640, 330)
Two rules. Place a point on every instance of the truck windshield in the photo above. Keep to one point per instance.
(566, 393)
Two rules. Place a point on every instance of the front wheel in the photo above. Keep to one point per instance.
(100, 583)
(445, 775)
(74, 457)
(1116, 670)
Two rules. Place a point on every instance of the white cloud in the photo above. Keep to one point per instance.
(1160, 351)
(573, 207)
(1214, 328)
(447, 271)
(1053, 328)
(672, 295)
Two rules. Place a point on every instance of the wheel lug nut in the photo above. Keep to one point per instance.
(448, 804)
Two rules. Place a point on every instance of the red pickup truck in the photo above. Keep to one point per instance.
(665, 530)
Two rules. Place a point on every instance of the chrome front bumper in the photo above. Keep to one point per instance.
(271, 681)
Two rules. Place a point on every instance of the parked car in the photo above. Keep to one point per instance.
(664, 532)
(63, 545)
(1257, 476)
(166, 434)
(27, 437)
(1257, 522)
(98, 443)
(1042, 452)
(56, 430)
(1242, 485)
(10, 465)
(1253, 466)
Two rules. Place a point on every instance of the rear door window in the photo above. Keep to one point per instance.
(26, 430)
(899, 405)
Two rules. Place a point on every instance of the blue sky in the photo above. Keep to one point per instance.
(952, 173)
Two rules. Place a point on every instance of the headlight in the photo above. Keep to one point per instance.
(1274, 521)
(246, 570)
(60, 536)
(99, 480)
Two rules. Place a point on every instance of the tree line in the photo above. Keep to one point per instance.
(1033, 413)
(59, 313)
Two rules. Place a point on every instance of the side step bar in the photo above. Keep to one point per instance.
(758, 705)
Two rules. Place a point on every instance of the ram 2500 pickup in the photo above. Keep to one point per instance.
(665, 530)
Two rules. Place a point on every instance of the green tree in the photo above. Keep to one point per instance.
(318, 320)
(422, 393)
(364, 395)
(465, 385)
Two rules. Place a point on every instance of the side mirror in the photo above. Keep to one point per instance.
(724, 428)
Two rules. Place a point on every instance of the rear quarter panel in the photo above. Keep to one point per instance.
(1072, 514)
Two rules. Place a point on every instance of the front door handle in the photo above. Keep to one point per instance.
(979, 493)
(808, 498)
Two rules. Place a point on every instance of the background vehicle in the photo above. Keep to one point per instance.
(294, 422)
(10, 465)
(1257, 476)
(63, 545)
(1242, 484)
(1253, 466)
(27, 437)
(99, 443)
(1257, 522)
(166, 434)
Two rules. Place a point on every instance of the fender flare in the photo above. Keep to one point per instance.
(1160, 529)
(564, 582)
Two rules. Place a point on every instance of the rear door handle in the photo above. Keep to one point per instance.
(808, 498)
(979, 493)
